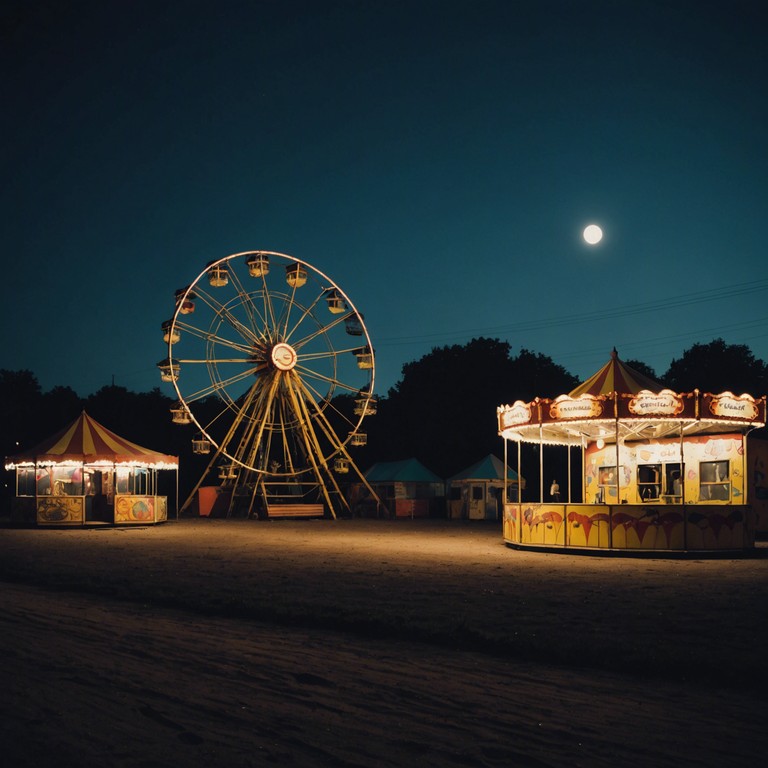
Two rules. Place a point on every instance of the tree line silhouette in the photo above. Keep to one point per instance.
(441, 411)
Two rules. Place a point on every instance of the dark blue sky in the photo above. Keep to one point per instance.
(438, 160)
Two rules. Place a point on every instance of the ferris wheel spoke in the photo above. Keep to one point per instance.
(225, 313)
(320, 331)
(211, 338)
(317, 397)
(306, 312)
(258, 320)
(335, 382)
(217, 385)
(319, 415)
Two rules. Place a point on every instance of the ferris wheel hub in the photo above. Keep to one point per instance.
(284, 356)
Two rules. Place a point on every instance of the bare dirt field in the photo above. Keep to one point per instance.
(372, 643)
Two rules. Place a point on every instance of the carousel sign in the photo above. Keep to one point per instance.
(585, 407)
(730, 406)
(646, 403)
(512, 415)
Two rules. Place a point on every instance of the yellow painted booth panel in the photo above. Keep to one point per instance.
(588, 526)
(720, 527)
(61, 510)
(135, 509)
(512, 523)
(542, 524)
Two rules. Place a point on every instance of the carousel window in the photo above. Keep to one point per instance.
(141, 480)
(673, 481)
(714, 481)
(123, 480)
(66, 481)
(26, 481)
(648, 481)
(607, 491)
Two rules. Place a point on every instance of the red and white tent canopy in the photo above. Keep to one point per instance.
(85, 441)
(616, 376)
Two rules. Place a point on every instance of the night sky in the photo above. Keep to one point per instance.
(438, 160)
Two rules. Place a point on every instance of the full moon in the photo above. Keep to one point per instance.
(593, 234)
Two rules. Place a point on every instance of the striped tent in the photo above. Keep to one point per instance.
(88, 442)
(616, 376)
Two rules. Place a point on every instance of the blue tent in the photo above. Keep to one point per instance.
(407, 488)
(404, 471)
(477, 492)
(489, 468)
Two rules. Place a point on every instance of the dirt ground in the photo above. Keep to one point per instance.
(372, 643)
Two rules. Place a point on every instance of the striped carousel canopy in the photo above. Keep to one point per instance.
(616, 376)
(85, 441)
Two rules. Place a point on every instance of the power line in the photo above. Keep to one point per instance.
(657, 305)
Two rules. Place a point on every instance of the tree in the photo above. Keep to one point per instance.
(535, 375)
(718, 367)
(443, 409)
(639, 365)
(20, 414)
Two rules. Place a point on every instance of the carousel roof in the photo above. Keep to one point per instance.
(620, 403)
(616, 376)
(88, 442)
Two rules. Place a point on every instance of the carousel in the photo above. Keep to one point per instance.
(87, 475)
(648, 468)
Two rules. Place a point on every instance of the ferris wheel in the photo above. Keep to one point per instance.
(274, 367)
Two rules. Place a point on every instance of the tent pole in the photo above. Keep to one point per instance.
(541, 464)
(506, 476)
(682, 487)
(618, 473)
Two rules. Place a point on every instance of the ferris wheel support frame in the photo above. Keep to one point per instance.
(289, 409)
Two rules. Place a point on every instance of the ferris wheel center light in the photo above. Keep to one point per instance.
(283, 356)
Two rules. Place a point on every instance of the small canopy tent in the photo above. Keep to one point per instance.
(660, 470)
(85, 473)
(407, 488)
(477, 492)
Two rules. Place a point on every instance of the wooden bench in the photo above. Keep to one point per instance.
(295, 510)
